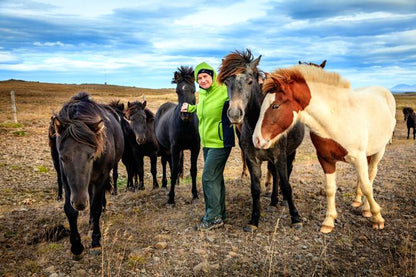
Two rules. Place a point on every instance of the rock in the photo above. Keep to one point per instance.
(201, 267)
(161, 245)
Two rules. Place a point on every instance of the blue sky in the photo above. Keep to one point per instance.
(141, 43)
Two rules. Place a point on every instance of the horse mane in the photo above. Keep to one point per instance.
(133, 108)
(78, 118)
(184, 74)
(310, 74)
(233, 64)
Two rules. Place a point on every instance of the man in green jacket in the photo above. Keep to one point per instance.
(217, 139)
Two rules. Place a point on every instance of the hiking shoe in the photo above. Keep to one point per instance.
(209, 225)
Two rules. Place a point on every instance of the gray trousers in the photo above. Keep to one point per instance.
(213, 182)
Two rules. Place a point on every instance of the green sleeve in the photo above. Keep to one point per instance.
(192, 108)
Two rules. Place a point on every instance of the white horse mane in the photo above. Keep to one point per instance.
(318, 74)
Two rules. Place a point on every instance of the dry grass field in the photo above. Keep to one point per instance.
(142, 236)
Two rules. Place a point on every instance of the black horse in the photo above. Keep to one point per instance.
(177, 131)
(131, 151)
(240, 74)
(90, 144)
(410, 118)
(142, 123)
(55, 156)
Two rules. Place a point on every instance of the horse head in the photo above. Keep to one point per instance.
(407, 111)
(137, 117)
(239, 73)
(322, 65)
(80, 140)
(185, 89)
(286, 94)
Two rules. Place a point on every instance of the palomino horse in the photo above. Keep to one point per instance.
(347, 125)
(90, 144)
(239, 73)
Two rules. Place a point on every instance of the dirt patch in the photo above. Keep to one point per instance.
(143, 236)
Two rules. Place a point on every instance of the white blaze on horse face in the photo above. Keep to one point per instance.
(258, 140)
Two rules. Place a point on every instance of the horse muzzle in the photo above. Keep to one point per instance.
(235, 115)
(80, 203)
(186, 116)
(140, 140)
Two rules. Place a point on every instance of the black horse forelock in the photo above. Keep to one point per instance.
(184, 74)
(78, 117)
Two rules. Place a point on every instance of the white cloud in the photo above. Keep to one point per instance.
(212, 17)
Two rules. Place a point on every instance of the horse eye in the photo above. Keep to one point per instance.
(275, 106)
(250, 82)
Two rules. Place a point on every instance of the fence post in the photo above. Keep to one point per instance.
(13, 106)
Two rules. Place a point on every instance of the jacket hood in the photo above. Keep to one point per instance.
(204, 65)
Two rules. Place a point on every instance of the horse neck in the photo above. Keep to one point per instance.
(252, 110)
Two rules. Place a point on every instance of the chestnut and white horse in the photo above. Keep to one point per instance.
(352, 126)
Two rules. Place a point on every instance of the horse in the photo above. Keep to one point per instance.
(55, 156)
(130, 152)
(142, 123)
(239, 73)
(177, 131)
(410, 118)
(352, 126)
(90, 144)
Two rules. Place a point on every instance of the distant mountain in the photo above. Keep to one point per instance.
(403, 88)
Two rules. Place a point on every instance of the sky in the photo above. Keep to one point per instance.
(142, 43)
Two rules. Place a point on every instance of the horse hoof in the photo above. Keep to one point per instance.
(367, 213)
(297, 226)
(378, 226)
(77, 257)
(250, 228)
(95, 251)
(195, 201)
(356, 204)
(326, 229)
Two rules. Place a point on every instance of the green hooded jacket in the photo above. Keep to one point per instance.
(215, 128)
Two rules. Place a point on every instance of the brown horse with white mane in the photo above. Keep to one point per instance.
(347, 125)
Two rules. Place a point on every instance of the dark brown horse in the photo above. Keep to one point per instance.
(240, 74)
(90, 144)
(142, 123)
(410, 118)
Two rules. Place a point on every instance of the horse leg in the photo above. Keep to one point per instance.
(76, 245)
(141, 172)
(174, 174)
(255, 176)
(358, 196)
(287, 191)
(164, 179)
(245, 171)
(115, 177)
(271, 169)
(329, 167)
(96, 209)
(361, 167)
(194, 161)
(153, 169)
(271, 178)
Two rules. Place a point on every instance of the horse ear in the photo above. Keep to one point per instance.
(144, 104)
(256, 62)
(57, 125)
(129, 104)
(322, 65)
